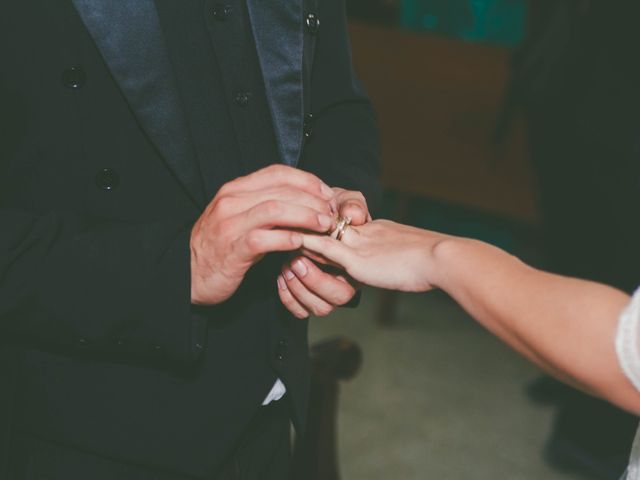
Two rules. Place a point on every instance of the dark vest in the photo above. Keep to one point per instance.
(188, 28)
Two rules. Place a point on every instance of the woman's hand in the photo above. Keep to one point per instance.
(383, 254)
(565, 325)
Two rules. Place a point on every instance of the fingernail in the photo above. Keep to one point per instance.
(325, 221)
(326, 190)
(289, 274)
(300, 268)
(281, 283)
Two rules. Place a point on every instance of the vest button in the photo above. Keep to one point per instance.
(308, 126)
(281, 350)
(74, 78)
(107, 179)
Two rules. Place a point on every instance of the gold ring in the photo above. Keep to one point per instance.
(341, 227)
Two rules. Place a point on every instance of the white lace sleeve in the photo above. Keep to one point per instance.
(628, 350)
(628, 340)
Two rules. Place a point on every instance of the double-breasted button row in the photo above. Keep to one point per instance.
(82, 343)
(221, 11)
(121, 344)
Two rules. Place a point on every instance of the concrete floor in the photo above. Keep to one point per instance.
(437, 398)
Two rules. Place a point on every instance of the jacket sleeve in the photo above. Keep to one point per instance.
(64, 285)
(342, 147)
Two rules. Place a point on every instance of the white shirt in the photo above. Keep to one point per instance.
(277, 392)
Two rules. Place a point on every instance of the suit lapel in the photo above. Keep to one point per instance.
(278, 32)
(129, 37)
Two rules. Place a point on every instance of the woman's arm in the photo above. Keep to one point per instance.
(566, 326)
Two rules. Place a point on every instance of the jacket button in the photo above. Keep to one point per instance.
(312, 23)
(281, 350)
(107, 179)
(74, 78)
(307, 126)
(220, 12)
(242, 99)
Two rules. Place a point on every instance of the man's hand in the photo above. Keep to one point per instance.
(303, 287)
(306, 290)
(250, 217)
(353, 205)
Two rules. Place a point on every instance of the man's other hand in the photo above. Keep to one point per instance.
(305, 289)
(252, 216)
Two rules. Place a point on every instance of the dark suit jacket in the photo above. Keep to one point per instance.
(100, 348)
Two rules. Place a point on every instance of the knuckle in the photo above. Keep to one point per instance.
(272, 208)
(293, 240)
(222, 190)
(225, 189)
(254, 241)
(355, 205)
(287, 301)
(224, 204)
(309, 215)
(321, 310)
(291, 305)
(323, 207)
(344, 297)
(310, 183)
(274, 168)
(278, 171)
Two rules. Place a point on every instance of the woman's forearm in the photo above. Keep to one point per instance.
(566, 326)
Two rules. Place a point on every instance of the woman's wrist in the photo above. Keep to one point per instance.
(449, 259)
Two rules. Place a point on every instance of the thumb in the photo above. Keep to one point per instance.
(355, 210)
